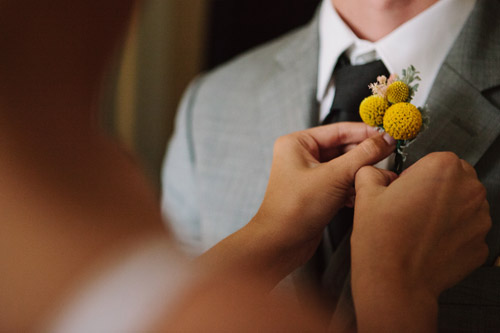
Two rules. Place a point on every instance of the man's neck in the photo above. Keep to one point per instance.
(374, 19)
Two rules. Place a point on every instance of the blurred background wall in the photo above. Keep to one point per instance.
(169, 43)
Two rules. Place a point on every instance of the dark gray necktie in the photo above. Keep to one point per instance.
(332, 258)
(351, 87)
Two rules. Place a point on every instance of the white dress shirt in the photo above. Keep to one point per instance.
(423, 41)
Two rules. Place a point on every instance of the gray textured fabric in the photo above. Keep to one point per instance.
(219, 159)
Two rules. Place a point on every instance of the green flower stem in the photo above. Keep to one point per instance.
(398, 161)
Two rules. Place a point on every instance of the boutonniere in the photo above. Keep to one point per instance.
(390, 109)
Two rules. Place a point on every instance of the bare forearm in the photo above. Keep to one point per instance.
(251, 252)
(386, 307)
(232, 290)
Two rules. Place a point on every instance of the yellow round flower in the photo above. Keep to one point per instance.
(403, 121)
(372, 110)
(398, 92)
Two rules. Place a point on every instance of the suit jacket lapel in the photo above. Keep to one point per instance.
(462, 119)
(287, 98)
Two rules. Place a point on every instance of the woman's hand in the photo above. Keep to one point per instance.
(312, 176)
(413, 238)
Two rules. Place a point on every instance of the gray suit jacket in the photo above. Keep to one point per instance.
(219, 158)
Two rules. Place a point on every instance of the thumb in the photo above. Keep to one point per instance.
(371, 177)
(368, 152)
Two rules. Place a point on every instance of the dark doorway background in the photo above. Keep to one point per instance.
(235, 26)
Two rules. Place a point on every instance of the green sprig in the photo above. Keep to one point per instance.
(410, 78)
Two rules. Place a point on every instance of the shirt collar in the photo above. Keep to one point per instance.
(432, 32)
(330, 49)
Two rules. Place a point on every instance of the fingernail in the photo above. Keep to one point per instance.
(389, 139)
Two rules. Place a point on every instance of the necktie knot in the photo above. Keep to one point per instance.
(351, 87)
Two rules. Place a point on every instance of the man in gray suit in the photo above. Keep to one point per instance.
(218, 161)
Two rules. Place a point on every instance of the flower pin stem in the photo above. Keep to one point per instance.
(398, 160)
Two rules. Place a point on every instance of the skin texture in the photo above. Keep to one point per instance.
(439, 210)
(322, 170)
(374, 19)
